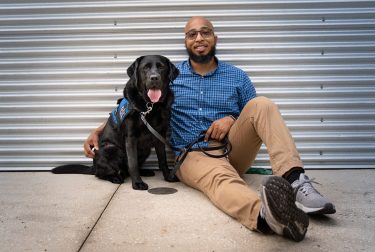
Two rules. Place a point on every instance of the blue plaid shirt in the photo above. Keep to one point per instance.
(200, 100)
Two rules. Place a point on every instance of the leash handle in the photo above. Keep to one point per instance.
(226, 146)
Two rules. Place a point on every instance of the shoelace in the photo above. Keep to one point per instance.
(306, 187)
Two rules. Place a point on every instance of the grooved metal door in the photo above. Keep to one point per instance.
(63, 66)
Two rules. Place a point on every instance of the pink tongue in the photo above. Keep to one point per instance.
(154, 95)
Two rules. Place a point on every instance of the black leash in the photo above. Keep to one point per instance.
(151, 129)
(225, 144)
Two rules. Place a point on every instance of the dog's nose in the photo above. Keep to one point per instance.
(154, 77)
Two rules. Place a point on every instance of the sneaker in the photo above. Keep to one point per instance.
(280, 211)
(309, 199)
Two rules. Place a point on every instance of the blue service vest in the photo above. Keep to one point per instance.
(119, 113)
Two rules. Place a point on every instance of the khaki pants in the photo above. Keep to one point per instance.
(219, 178)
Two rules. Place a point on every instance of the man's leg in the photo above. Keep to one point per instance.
(260, 121)
(222, 184)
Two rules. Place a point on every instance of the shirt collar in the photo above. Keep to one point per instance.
(218, 63)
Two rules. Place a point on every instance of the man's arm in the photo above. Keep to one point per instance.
(92, 141)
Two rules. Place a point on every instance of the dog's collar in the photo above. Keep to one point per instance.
(120, 112)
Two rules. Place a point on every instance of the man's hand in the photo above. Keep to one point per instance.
(219, 128)
(92, 141)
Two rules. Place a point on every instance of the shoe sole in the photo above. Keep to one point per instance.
(285, 217)
(327, 209)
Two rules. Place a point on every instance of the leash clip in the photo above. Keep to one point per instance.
(149, 106)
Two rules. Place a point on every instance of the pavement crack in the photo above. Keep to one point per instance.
(100, 216)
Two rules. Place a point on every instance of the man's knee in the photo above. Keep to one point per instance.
(261, 104)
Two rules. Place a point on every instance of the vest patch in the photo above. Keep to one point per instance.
(119, 113)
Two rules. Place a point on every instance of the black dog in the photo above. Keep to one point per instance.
(125, 142)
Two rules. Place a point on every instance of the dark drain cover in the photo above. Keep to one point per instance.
(162, 190)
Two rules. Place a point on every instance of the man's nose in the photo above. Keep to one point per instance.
(199, 37)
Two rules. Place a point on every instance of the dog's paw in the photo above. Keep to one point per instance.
(117, 180)
(140, 185)
(172, 178)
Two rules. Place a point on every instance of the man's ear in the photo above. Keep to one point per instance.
(173, 71)
(132, 69)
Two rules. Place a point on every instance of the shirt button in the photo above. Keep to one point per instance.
(200, 109)
(201, 92)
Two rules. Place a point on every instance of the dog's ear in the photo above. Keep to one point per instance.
(132, 69)
(173, 71)
(133, 81)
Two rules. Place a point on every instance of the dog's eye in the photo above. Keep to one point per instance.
(160, 66)
(147, 66)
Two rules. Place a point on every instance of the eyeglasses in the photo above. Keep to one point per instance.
(205, 33)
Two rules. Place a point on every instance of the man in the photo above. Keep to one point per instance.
(220, 98)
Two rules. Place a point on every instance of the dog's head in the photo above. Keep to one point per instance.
(151, 75)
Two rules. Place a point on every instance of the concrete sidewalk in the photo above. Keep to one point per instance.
(40, 211)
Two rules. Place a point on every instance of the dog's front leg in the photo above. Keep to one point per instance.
(131, 151)
(162, 160)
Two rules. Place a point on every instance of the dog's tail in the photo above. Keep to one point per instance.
(74, 169)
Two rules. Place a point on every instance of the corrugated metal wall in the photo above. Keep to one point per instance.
(63, 66)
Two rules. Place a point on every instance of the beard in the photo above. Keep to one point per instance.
(202, 59)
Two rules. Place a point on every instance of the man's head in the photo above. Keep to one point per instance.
(200, 40)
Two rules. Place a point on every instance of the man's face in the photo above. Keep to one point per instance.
(200, 41)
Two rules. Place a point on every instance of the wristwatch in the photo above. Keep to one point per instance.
(234, 118)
